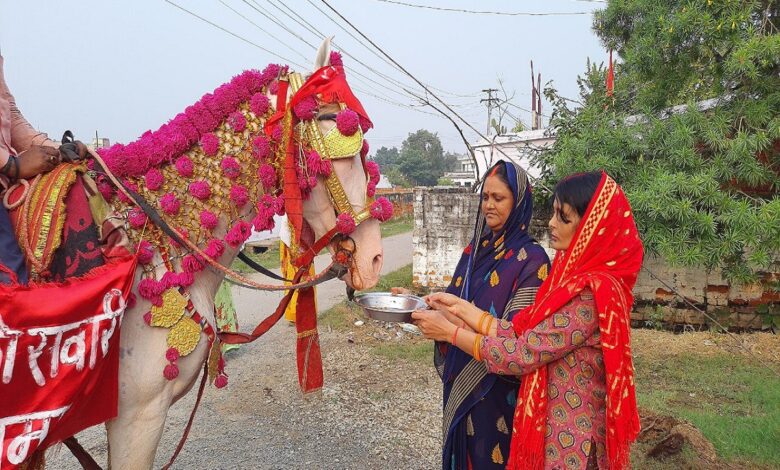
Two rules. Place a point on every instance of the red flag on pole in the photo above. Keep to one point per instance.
(610, 76)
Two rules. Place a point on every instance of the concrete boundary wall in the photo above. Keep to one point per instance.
(443, 224)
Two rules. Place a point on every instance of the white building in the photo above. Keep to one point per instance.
(517, 147)
(464, 172)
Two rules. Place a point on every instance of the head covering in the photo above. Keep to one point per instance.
(605, 255)
(487, 275)
(514, 234)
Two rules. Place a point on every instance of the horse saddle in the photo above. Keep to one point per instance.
(54, 218)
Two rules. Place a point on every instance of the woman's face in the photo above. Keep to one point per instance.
(497, 203)
(562, 229)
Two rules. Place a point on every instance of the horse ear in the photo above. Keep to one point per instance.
(323, 54)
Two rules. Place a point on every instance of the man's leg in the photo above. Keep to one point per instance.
(10, 254)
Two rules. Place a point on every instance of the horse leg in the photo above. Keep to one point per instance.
(144, 394)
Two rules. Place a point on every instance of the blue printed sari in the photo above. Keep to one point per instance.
(494, 269)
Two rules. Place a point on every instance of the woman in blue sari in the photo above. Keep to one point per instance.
(499, 271)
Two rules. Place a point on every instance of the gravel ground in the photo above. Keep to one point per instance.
(373, 412)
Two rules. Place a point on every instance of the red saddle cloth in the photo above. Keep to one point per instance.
(59, 357)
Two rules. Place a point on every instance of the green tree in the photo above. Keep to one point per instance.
(386, 157)
(702, 178)
(421, 159)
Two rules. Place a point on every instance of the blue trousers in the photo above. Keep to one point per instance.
(10, 254)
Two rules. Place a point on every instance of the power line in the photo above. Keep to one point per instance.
(477, 12)
(427, 90)
(234, 34)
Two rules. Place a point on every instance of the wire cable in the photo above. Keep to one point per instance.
(482, 12)
(234, 34)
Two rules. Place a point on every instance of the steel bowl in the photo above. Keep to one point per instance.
(385, 306)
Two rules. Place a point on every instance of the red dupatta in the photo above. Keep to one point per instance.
(605, 255)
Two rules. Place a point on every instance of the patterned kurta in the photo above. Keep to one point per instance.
(568, 344)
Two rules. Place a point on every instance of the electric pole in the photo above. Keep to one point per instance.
(490, 102)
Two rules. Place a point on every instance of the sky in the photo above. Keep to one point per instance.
(121, 68)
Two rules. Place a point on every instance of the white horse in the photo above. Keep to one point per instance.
(144, 394)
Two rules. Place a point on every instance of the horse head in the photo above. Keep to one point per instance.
(346, 151)
(266, 143)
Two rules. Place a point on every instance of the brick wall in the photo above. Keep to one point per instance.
(443, 224)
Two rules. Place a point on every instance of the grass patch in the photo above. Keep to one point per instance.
(267, 259)
(733, 401)
(420, 352)
(397, 225)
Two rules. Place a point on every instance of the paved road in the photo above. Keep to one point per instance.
(252, 306)
(262, 421)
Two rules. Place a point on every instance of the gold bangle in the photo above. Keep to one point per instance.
(477, 344)
(485, 315)
(490, 325)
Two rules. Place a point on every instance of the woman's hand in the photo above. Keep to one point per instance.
(400, 291)
(434, 325)
(452, 304)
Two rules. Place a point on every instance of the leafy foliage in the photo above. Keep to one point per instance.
(692, 131)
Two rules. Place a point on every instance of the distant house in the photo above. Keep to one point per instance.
(518, 147)
(464, 173)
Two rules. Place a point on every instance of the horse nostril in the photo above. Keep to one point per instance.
(376, 264)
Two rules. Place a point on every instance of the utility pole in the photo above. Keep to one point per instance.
(490, 102)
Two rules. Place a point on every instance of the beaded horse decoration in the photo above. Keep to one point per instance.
(227, 165)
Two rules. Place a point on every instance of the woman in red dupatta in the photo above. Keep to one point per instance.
(576, 407)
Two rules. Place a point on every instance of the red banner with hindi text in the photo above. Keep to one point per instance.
(59, 358)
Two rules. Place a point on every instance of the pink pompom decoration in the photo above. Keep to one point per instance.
(345, 224)
(148, 318)
(276, 134)
(171, 371)
(239, 195)
(154, 179)
(221, 381)
(306, 108)
(208, 220)
(215, 248)
(230, 167)
(105, 188)
(136, 218)
(237, 121)
(186, 279)
(273, 88)
(335, 59)
(123, 197)
(184, 166)
(347, 122)
(267, 175)
(370, 190)
(261, 147)
(382, 209)
(149, 288)
(259, 104)
(145, 252)
(238, 234)
(264, 221)
(131, 300)
(278, 205)
(172, 355)
(364, 149)
(192, 264)
(372, 168)
(170, 204)
(200, 189)
(365, 124)
(210, 144)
